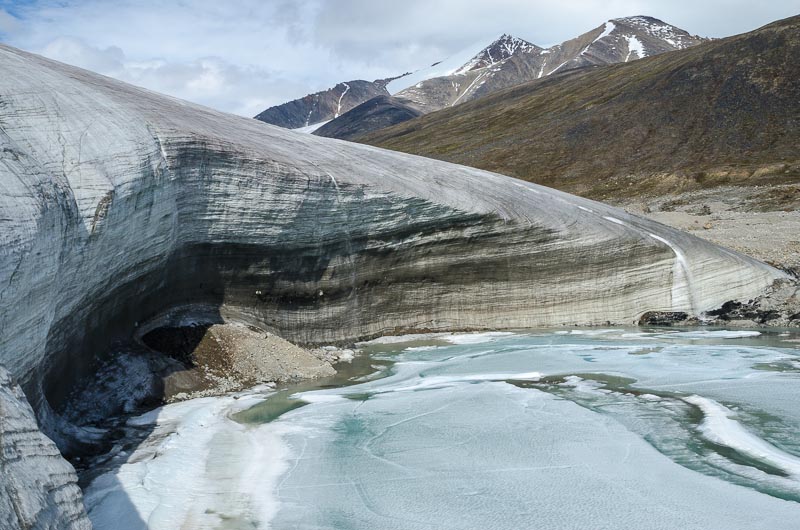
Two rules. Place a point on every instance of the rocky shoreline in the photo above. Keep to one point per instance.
(778, 306)
(229, 357)
(172, 363)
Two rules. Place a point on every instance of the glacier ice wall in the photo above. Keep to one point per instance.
(117, 203)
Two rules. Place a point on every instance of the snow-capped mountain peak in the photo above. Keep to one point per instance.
(658, 29)
(501, 49)
(478, 70)
(626, 39)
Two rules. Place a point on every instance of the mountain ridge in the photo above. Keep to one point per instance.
(324, 105)
(500, 49)
(725, 111)
(617, 40)
(509, 61)
(374, 114)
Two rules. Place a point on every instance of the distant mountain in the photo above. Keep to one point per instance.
(323, 106)
(498, 51)
(377, 113)
(516, 61)
(724, 112)
(509, 61)
(617, 41)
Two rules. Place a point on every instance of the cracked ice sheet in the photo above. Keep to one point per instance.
(489, 455)
(715, 363)
(442, 443)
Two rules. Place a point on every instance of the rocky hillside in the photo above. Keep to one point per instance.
(377, 113)
(725, 112)
(510, 61)
(323, 106)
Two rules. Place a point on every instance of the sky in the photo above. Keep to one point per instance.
(242, 56)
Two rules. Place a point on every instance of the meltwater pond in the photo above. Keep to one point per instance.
(592, 428)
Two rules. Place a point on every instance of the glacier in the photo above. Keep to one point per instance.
(118, 204)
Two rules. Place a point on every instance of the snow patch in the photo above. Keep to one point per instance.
(714, 334)
(635, 46)
(476, 338)
(557, 68)
(466, 91)
(399, 339)
(588, 332)
(421, 348)
(675, 37)
(584, 386)
(449, 66)
(446, 381)
(311, 128)
(609, 27)
(339, 104)
(650, 397)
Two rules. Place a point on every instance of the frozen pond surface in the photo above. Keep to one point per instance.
(586, 428)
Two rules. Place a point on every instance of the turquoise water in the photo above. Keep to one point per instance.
(563, 429)
(467, 435)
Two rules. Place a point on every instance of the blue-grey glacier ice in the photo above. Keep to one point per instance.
(117, 204)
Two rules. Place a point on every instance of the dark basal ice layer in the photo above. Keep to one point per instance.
(488, 430)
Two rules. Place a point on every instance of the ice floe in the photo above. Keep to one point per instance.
(719, 427)
(476, 338)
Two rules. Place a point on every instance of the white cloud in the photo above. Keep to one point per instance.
(8, 23)
(74, 51)
(235, 58)
(208, 80)
(244, 55)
